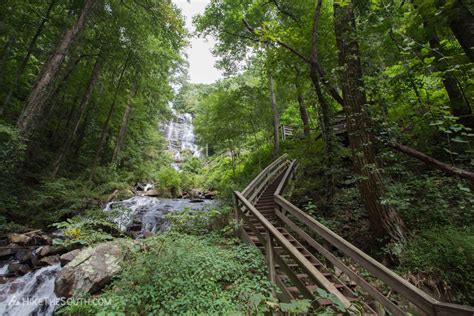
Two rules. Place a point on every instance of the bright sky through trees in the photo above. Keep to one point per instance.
(201, 61)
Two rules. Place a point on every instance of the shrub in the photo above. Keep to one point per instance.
(177, 274)
(199, 222)
(12, 151)
(446, 256)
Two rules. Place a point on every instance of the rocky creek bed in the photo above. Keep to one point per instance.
(36, 275)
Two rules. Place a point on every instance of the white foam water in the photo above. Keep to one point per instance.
(30, 294)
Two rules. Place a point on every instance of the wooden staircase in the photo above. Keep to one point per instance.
(303, 255)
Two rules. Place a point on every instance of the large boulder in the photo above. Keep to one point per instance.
(20, 239)
(91, 270)
(69, 256)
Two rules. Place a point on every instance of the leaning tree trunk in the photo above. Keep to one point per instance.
(384, 220)
(461, 22)
(21, 68)
(325, 112)
(460, 106)
(124, 126)
(105, 127)
(82, 110)
(275, 115)
(302, 106)
(39, 93)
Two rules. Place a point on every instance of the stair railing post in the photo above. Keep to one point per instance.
(270, 254)
(236, 215)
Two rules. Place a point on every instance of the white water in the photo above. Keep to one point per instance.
(30, 294)
(149, 212)
(181, 138)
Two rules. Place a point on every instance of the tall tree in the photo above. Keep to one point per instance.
(105, 126)
(82, 110)
(461, 21)
(384, 220)
(33, 108)
(276, 115)
(125, 120)
(301, 104)
(21, 68)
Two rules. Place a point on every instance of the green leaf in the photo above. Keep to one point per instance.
(428, 60)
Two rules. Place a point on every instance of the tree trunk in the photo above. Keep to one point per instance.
(448, 169)
(105, 127)
(302, 106)
(122, 134)
(6, 49)
(384, 220)
(460, 106)
(21, 68)
(125, 120)
(69, 71)
(276, 115)
(325, 112)
(39, 93)
(82, 109)
(461, 22)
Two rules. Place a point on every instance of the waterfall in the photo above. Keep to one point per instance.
(30, 294)
(142, 214)
(181, 139)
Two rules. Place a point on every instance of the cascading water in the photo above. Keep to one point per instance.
(143, 214)
(179, 133)
(33, 293)
(30, 294)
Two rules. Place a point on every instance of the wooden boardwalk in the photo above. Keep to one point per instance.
(303, 255)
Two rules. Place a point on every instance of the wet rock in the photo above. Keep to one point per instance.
(148, 235)
(196, 201)
(210, 195)
(69, 256)
(43, 251)
(23, 255)
(152, 193)
(18, 268)
(91, 270)
(8, 251)
(20, 239)
(49, 261)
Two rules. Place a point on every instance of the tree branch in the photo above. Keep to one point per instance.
(451, 170)
(332, 91)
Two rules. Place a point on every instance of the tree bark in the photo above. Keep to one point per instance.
(6, 49)
(461, 22)
(325, 111)
(124, 126)
(82, 110)
(275, 115)
(448, 169)
(302, 106)
(26, 122)
(21, 68)
(460, 106)
(384, 220)
(105, 127)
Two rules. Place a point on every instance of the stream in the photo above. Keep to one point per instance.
(33, 292)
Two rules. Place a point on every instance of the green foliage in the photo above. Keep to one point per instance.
(11, 157)
(443, 258)
(179, 274)
(200, 222)
(427, 201)
(93, 227)
(169, 181)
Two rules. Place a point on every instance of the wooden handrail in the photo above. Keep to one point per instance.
(262, 174)
(304, 263)
(410, 292)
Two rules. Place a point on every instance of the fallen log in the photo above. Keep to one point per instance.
(451, 170)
